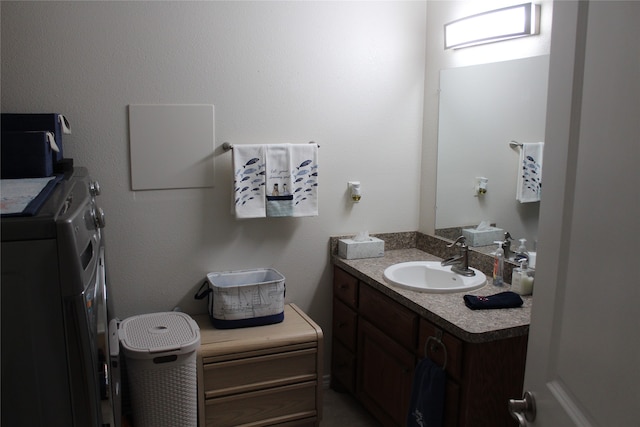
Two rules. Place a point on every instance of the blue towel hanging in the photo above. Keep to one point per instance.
(427, 395)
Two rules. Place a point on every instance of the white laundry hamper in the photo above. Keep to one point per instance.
(160, 352)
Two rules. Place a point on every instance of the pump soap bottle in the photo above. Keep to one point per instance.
(522, 252)
(522, 279)
(498, 265)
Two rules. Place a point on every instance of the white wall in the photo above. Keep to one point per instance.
(349, 75)
(438, 14)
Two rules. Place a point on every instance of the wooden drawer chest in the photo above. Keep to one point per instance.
(261, 376)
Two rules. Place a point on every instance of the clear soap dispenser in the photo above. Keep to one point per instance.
(522, 279)
(498, 265)
(522, 252)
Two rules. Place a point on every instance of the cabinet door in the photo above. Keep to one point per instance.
(385, 373)
(345, 287)
(444, 345)
(343, 368)
(344, 324)
(343, 360)
(446, 351)
(393, 319)
(492, 372)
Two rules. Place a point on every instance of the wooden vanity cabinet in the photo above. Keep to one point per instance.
(261, 376)
(391, 339)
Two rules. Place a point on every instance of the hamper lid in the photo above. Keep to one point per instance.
(150, 334)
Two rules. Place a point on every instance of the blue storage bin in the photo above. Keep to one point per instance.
(26, 155)
(51, 122)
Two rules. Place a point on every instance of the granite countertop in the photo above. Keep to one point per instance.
(445, 310)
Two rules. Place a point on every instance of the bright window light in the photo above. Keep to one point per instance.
(496, 25)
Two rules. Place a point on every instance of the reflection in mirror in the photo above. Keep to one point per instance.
(483, 108)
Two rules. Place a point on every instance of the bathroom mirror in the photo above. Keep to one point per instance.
(482, 108)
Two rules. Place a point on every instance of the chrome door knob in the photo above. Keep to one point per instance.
(523, 410)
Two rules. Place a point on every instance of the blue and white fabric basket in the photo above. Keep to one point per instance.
(242, 298)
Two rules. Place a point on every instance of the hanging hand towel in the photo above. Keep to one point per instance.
(304, 179)
(530, 173)
(279, 197)
(249, 181)
(427, 395)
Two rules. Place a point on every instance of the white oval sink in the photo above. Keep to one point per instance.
(431, 276)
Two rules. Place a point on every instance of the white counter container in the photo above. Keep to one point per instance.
(352, 249)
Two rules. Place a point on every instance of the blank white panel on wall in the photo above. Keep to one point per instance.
(171, 146)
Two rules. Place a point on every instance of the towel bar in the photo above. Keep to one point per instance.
(226, 146)
(438, 340)
(514, 144)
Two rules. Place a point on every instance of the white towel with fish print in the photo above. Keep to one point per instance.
(249, 168)
(279, 196)
(530, 173)
(304, 179)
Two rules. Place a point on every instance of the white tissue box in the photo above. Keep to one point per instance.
(350, 249)
(482, 237)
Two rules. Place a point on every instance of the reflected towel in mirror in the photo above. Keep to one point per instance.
(529, 185)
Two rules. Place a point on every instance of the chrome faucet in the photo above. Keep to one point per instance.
(460, 263)
(506, 245)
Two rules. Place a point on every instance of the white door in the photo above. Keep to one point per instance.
(583, 365)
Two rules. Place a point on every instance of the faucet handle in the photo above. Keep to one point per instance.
(460, 241)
